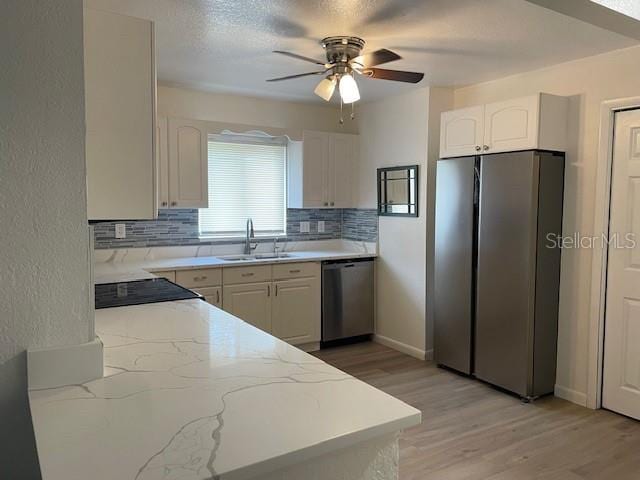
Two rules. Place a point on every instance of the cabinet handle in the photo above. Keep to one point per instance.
(294, 271)
(478, 148)
(164, 204)
(485, 147)
(199, 279)
(326, 204)
(276, 289)
(268, 290)
(218, 296)
(332, 204)
(247, 274)
(173, 204)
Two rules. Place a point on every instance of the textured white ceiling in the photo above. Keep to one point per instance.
(225, 45)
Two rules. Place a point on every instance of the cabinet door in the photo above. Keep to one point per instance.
(296, 310)
(212, 295)
(461, 132)
(315, 169)
(342, 161)
(511, 125)
(120, 116)
(188, 182)
(250, 302)
(162, 161)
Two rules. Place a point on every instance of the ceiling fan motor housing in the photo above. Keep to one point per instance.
(342, 49)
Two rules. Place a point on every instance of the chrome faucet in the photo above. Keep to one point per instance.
(248, 247)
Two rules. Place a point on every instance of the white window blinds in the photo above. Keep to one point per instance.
(247, 179)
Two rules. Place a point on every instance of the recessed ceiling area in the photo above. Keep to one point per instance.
(226, 45)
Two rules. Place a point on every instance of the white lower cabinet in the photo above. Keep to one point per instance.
(295, 310)
(212, 295)
(281, 299)
(251, 302)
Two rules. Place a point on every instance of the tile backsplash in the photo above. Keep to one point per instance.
(180, 227)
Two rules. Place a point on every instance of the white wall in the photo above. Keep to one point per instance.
(44, 279)
(588, 82)
(221, 107)
(393, 132)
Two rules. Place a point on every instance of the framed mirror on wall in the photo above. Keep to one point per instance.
(398, 191)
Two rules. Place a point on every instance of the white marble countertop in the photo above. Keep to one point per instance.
(192, 392)
(123, 265)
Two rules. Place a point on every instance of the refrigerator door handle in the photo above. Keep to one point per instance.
(476, 184)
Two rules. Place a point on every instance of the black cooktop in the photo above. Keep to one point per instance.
(138, 292)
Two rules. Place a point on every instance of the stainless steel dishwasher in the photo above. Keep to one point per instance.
(347, 300)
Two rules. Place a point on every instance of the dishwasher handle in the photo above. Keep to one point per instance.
(335, 264)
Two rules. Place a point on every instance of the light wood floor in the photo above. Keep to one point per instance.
(471, 431)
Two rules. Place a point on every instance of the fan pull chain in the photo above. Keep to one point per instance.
(353, 110)
(341, 117)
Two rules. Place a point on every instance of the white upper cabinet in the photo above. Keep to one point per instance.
(187, 164)
(162, 161)
(461, 132)
(321, 170)
(533, 122)
(343, 154)
(315, 163)
(120, 116)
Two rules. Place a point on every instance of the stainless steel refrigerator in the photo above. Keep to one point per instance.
(497, 272)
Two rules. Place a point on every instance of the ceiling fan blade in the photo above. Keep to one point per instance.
(395, 75)
(299, 57)
(289, 77)
(377, 57)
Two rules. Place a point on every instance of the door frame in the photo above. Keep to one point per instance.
(599, 255)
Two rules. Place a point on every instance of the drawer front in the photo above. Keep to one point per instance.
(168, 274)
(212, 295)
(205, 277)
(248, 274)
(285, 271)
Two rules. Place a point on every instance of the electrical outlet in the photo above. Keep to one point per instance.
(304, 227)
(320, 226)
(121, 230)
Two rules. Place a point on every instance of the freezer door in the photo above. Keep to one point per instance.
(505, 293)
(453, 268)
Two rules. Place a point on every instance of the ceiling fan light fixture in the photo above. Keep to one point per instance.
(326, 87)
(348, 89)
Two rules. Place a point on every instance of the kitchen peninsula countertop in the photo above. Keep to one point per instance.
(193, 392)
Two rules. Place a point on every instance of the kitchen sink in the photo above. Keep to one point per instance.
(259, 256)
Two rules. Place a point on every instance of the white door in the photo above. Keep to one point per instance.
(315, 155)
(162, 161)
(188, 167)
(342, 159)
(621, 387)
(296, 310)
(250, 302)
(212, 295)
(461, 132)
(511, 125)
(119, 97)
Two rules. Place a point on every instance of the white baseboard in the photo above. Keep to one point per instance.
(68, 365)
(401, 347)
(571, 395)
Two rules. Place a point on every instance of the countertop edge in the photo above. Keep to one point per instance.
(330, 445)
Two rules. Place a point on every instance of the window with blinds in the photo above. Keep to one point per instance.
(247, 179)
